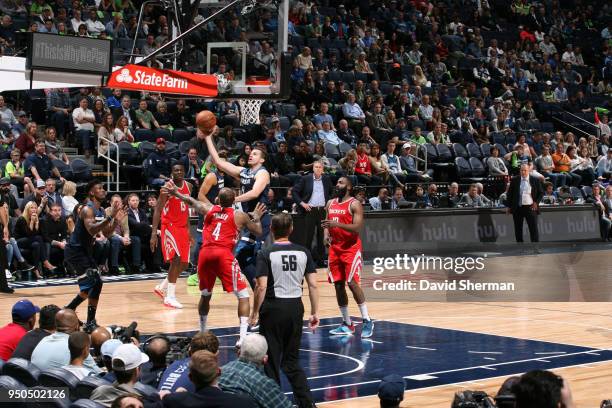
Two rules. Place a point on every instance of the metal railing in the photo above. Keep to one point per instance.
(110, 160)
(597, 128)
(574, 128)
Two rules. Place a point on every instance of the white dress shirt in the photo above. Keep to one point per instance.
(526, 198)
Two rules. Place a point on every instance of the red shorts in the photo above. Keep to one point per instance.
(220, 262)
(175, 242)
(344, 264)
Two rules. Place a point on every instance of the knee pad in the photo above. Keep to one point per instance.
(205, 293)
(242, 294)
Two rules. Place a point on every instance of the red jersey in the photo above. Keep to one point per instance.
(363, 164)
(220, 228)
(341, 212)
(176, 212)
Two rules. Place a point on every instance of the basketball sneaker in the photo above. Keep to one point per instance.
(367, 329)
(160, 292)
(343, 330)
(173, 303)
(193, 280)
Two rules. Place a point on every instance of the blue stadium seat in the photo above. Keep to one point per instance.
(510, 138)
(142, 135)
(165, 133)
(474, 150)
(575, 192)
(145, 149)
(58, 377)
(444, 153)
(127, 153)
(460, 151)
(498, 137)
(502, 149)
(432, 153)
(587, 191)
(478, 168)
(87, 385)
(485, 148)
(180, 135)
(52, 403)
(184, 147)
(22, 370)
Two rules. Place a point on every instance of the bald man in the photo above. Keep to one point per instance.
(53, 350)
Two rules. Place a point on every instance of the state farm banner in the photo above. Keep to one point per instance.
(142, 78)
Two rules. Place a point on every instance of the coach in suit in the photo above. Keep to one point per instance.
(524, 194)
(311, 194)
(139, 227)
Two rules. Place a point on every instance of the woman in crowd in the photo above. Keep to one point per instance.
(25, 143)
(99, 111)
(379, 168)
(28, 236)
(69, 202)
(419, 77)
(122, 130)
(105, 133)
(162, 116)
(582, 165)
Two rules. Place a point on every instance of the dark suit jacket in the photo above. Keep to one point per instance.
(142, 228)
(513, 197)
(302, 191)
(208, 397)
(119, 111)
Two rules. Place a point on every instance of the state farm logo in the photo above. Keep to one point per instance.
(124, 76)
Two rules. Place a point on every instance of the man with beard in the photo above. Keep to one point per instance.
(79, 250)
(344, 220)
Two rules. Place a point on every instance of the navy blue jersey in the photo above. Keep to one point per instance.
(247, 181)
(81, 238)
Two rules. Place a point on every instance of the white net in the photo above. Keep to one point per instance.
(249, 111)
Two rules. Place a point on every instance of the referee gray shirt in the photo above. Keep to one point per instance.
(285, 265)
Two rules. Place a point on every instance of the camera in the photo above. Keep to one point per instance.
(125, 333)
(472, 399)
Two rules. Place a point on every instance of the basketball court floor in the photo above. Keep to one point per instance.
(439, 348)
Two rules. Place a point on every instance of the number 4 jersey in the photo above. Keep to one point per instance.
(220, 229)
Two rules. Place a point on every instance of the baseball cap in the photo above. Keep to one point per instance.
(127, 357)
(391, 388)
(406, 145)
(40, 184)
(160, 140)
(4, 181)
(21, 113)
(24, 309)
(549, 83)
(109, 346)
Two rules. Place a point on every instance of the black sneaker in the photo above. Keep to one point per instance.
(7, 289)
(90, 326)
(24, 266)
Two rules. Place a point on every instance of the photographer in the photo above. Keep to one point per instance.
(542, 389)
(157, 349)
(176, 376)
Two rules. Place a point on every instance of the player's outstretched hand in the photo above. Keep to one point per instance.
(169, 188)
(313, 322)
(212, 132)
(259, 211)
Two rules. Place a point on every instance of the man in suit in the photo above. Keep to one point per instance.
(140, 228)
(310, 194)
(204, 372)
(524, 194)
(126, 110)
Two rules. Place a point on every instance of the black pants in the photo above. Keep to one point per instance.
(313, 228)
(525, 212)
(281, 324)
(3, 266)
(37, 247)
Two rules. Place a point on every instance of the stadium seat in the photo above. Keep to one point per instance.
(184, 147)
(141, 135)
(510, 138)
(444, 153)
(498, 137)
(9, 383)
(180, 135)
(64, 169)
(485, 148)
(464, 171)
(58, 377)
(460, 150)
(575, 193)
(502, 149)
(344, 148)
(332, 150)
(81, 170)
(417, 123)
(474, 150)
(51, 403)
(128, 154)
(432, 153)
(146, 390)
(289, 110)
(87, 385)
(172, 150)
(145, 149)
(478, 168)
(165, 133)
(284, 123)
(85, 403)
(22, 370)
(587, 191)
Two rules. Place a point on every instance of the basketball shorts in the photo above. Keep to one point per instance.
(175, 243)
(220, 262)
(344, 265)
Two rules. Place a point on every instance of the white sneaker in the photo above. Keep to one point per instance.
(160, 292)
(173, 303)
(8, 274)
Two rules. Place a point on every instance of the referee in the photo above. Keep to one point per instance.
(281, 269)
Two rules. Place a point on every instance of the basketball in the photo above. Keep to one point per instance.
(206, 120)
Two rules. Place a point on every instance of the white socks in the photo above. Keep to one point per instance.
(171, 290)
(164, 284)
(345, 315)
(244, 325)
(364, 311)
(203, 319)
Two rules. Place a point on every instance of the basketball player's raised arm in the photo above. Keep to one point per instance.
(209, 182)
(201, 208)
(262, 179)
(222, 164)
(355, 226)
(252, 224)
(93, 227)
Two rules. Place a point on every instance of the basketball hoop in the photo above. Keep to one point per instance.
(249, 111)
